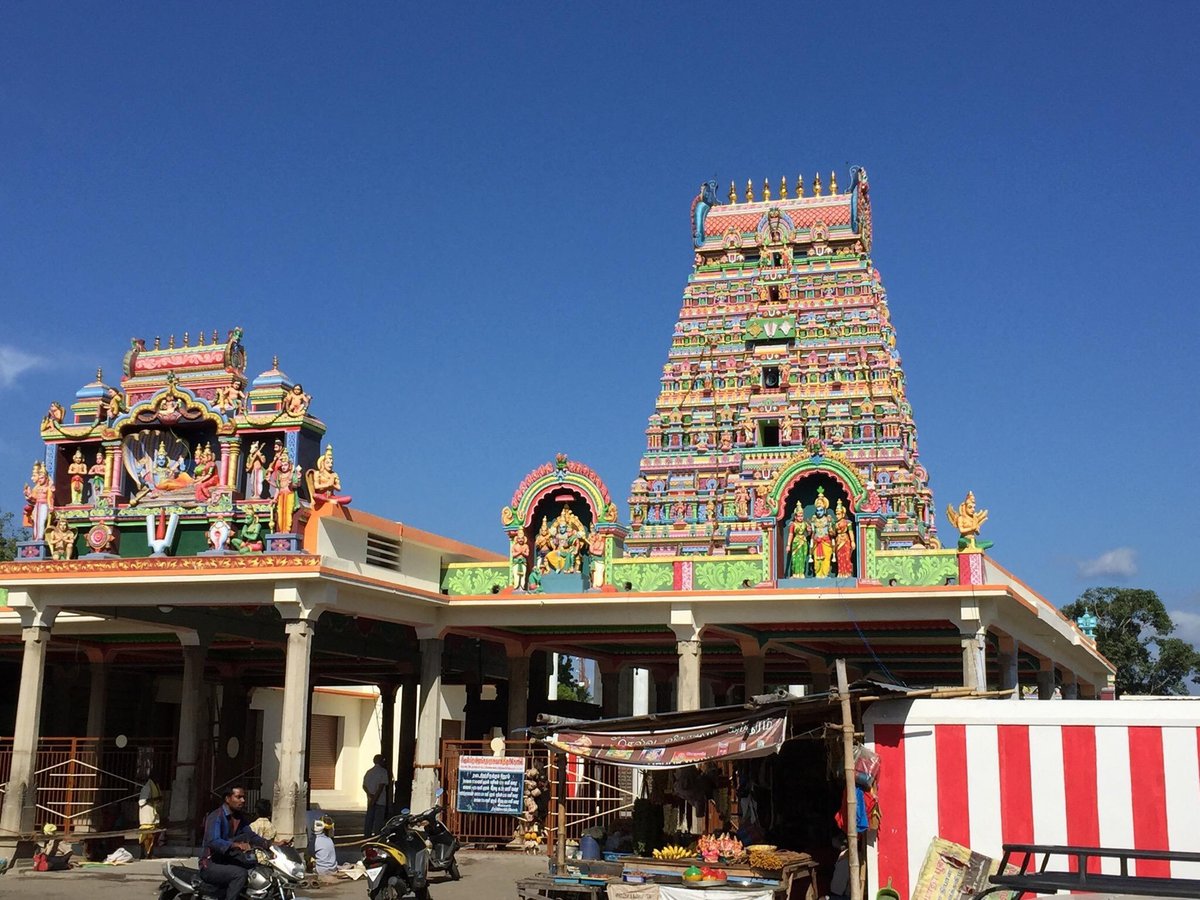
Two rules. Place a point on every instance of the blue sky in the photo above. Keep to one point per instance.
(465, 230)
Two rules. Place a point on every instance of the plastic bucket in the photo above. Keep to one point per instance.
(887, 893)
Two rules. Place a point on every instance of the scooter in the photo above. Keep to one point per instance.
(409, 845)
(276, 876)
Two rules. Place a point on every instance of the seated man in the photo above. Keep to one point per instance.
(227, 841)
(324, 853)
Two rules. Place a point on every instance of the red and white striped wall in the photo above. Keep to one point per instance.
(987, 772)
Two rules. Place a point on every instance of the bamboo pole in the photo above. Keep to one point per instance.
(560, 846)
(856, 891)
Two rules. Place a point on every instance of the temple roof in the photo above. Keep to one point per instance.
(803, 211)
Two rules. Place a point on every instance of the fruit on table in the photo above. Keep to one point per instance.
(710, 874)
(691, 873)
(672, 851)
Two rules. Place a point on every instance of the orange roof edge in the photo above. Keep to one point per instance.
(398, 530)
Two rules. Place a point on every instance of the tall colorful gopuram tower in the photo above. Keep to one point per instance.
(782, 397)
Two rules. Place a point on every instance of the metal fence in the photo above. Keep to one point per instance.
(483, 828)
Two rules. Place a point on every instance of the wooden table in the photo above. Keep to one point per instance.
(797, 879)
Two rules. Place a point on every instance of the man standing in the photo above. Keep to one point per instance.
(375, 786)
(227, 837)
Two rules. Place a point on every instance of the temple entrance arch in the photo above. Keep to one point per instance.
(820, 495)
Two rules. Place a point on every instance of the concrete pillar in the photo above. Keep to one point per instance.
(610, 691)
(754, 665)
(974, 669)
(183, 810)
(1070, 688)
(97, 698)
(429, 725)
(518, 694)
(664, 693)
(20, 796)
(625, 685)
(689, 674)
(1010, 666)
(818, 672)
(1088, 691)
(408, 741)
(1045, 681)
(290, 801)
(387, 724)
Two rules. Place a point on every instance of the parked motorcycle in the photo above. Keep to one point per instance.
(398, 862)
(278, 871)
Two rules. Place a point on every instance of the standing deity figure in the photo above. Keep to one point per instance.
(741, 502)
(762, 504)
(205, 474)
(61, 539)
(785, 430)
(597, 544)
(39, 502)
(843, 542)
(749, 431)
(543, 543)
(77, 469)
(295, 403)
(285, 478)
(518, 560)
(256, 462)
(821, 529)
(968, 523)
(798, 546)
(96, 476)
(325, 482)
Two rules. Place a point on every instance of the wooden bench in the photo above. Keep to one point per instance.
(1079, 879)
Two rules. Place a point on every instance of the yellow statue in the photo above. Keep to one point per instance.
(61, 539)
(967, 520)
(820, 528)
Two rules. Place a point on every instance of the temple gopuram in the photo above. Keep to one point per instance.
(190, 539)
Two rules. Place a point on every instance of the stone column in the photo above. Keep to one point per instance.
(1010, 666)
(387, 723)
(1070, 686)
(754, 665)
(818, 672)
(235, 708)
(408, 741)
(290, 801)
(97, 697)
(518, 694)
(610, 691)
(689, 674)
(187, 744)
(20, 796)
(429, 724)
(1045, 681)
(973, 665)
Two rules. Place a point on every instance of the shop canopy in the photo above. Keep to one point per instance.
(675, 739)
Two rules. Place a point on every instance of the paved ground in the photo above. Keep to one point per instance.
(485, 876)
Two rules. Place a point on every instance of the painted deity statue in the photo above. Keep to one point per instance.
(741, 502)
(568, 537)
(543, 543)
(61, 539)
(219, 534)
(206, 476)
(843, 542)
(249, 538)
(821, 529)
(798, 546)
(325, 482)
(96, 476)
(77, 470)
(256, 463)
(285, 478)
(518, 560)
(968, 522)
(39, 502)
(597, 544)
(296, 402)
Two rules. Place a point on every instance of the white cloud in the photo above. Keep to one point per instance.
(1120, 562)
(14, 363)
(1187, 626)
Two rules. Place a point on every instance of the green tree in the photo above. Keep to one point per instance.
(569, 685)
(1134, 632)
(9, 536)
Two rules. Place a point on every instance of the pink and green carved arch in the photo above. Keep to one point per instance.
(793, 471)
(563, 474)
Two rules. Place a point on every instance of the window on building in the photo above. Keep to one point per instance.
(770, 375)
(324, 747)
(768, 434)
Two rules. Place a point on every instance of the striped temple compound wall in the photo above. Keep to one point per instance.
(985, 772)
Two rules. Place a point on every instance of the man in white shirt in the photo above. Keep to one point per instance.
(375, 786)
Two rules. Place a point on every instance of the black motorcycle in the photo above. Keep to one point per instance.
(398, 862)
(274, 874)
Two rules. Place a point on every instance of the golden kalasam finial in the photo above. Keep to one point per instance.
(214, 337)
(275, 362)
(171, 342)
(99, 374)
(749, 190)
(783, 188)
(732, 193)
(817, 185)
(157, 342)
(185, 339)
(967, 520)
(766, 189)
(833, 182)
(201, 337)
(799, 185)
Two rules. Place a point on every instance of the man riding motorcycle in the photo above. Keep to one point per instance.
(227, 838)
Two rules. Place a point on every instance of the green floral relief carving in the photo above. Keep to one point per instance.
(726, 574)
(916, 569)
(644, 576)
(472, 580)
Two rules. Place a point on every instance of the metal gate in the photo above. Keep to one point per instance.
(483, 828)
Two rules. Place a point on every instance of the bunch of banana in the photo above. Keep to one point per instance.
(672, 851)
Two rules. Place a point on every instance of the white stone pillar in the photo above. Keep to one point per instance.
(973, 666)
(290, 801)
(20, 796)
(518, 693)
(429, 724)
(688, 689)
(183, 811)
(97, 698)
